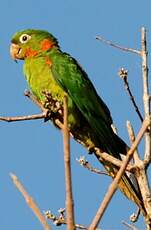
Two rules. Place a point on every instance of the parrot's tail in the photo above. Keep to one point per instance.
(128, 183)
(107, 141)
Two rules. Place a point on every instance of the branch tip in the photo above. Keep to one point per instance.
(123, 73)
(138, 52)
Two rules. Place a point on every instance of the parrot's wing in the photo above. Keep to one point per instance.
(72, 78)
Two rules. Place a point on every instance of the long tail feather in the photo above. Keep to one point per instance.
(128, 183)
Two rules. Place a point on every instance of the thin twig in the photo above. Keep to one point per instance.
(117, 46)
(132, 139)
(24, 118)
(105, 156)
(146, 100)
(83, 162)
(68, 180)
(30, 202)
(42, 115)
(124, 76)
(132, 99)
(112, 188)
(28, 117)
(129, 226)
(137, 161)
(29, 95)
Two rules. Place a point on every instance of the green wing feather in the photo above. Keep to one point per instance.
(72, 78)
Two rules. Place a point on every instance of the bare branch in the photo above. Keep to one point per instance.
(141, 176)
(68, 180)
(42, 115)
(124, 76)
(105, 156)
(117, 46)
(132, 227)
(28, 94)
(114, 184)
(146, 96)
(30, 202)
(132, 139)
(24, 118)
(83, 162)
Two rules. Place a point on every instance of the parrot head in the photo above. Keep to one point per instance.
(30, 43)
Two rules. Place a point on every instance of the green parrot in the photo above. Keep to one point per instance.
(51, 74)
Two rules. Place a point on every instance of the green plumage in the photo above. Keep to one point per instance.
(52, 73)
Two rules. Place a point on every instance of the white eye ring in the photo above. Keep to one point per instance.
(24, 38)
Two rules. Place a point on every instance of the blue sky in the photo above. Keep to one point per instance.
(33, 149)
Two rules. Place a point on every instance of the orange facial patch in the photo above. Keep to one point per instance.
(46, 44)
(48, 61)
(30, 53)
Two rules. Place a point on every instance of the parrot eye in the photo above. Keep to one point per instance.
(24, 38)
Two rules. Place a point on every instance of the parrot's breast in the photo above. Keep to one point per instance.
(40, 79)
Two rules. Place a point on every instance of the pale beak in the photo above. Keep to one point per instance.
(14, 51)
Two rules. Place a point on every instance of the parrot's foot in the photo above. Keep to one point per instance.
(54, 107)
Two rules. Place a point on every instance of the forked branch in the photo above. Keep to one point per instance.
(114, 184)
